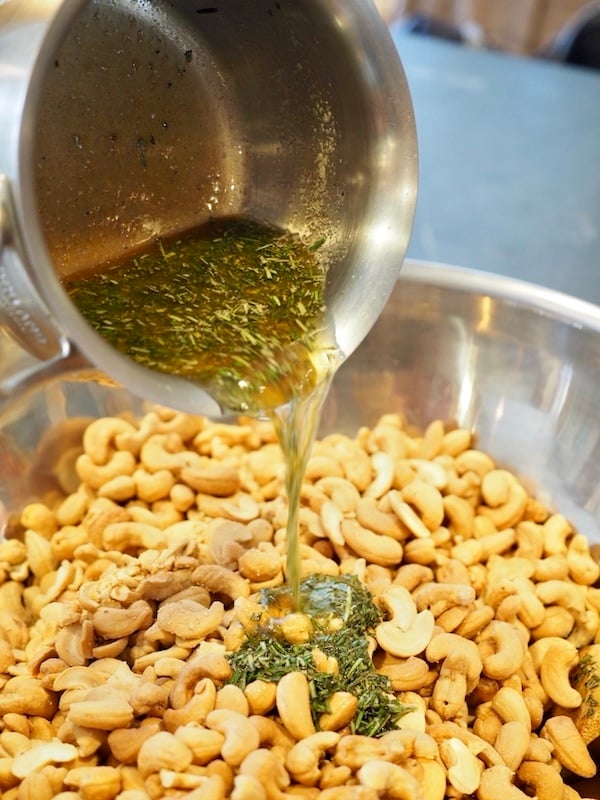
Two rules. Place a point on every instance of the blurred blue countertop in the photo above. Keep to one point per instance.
(509, 162)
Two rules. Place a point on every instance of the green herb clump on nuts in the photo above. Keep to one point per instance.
(342, 613)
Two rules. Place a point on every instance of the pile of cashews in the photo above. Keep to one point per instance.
(124, 588)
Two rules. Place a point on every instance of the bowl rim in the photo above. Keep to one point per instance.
(567, 308)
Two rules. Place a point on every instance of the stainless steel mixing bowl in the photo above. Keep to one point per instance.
(125, 120)
(518, 364)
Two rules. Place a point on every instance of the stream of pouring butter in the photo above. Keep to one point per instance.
(296, 425)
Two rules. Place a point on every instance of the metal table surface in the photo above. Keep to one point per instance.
(509, 154)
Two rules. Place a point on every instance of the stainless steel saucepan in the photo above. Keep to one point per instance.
(125, 120)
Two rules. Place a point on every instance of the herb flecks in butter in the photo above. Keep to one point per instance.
(236, 305)
(343, 614)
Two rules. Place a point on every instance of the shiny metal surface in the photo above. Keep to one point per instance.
(124, 121)
(518, 364)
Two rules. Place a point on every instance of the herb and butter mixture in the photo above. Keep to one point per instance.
(236, 305)
(330, 648)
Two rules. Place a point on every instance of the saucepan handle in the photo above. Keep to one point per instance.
(31, 348)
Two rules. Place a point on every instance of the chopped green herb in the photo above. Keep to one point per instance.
(265, 656)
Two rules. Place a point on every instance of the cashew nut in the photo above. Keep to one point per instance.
(510, 706)
(557, 663)
(543, 779)
(512, 742)
(502, 649)
(464, 768)
(496, 784)
(293, 705)
(409, 642)
(377, 549)
(303, 761)
(569, 748)
(427, 500)
(390, 780)
(241, 735)
(407, 515)
(450, 689)
(443, 644)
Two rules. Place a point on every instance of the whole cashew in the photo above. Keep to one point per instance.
(543, 779)
(407, 675)
(341, 491)
(461, 515)
(265, 766)
(510, 706)
(556, 532)
(563, 593)
(199, 665)
(464, 768)
(457, 441)
(115, 623)
(205, 744)
(241, 735)
(501, 648)
(557, 663)
(217, 481)
(443, 644)
(438, 597)
(377, 549)
(303, 761)
(512, 742)
(583, 568)
(450, 689)
(383, 466)
(569, 748)
(293, 705)
(409, 642)
(100, 435)
(370, 516)
(496, 784)
(510, 511)
(188, 619)
(260, 696)
(163, 750)
(126, 536)
(121, 462)
(407, 515)
(474, 461)
(342, 708)
(428, 502)
(220, 580)
(390, 780)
